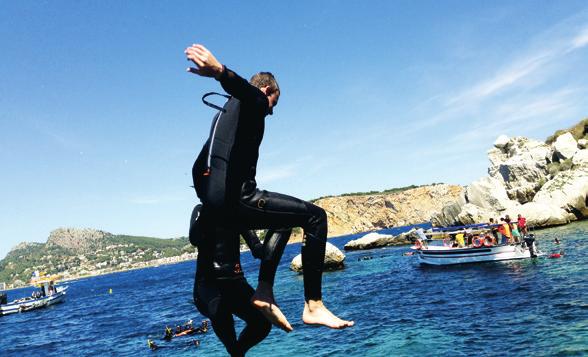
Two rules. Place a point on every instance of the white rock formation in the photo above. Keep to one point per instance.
(565, 146)
(333, 259)
(471, 214)
(488, 193)
(581, 158)
(519, 181)
(541, 214)
(568, 190)
(377, 240)
(501, 141)
(521, 165)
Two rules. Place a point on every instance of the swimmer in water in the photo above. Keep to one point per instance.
(152, 345)
(168, 334)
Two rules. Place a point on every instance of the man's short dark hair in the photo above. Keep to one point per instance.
(265, 79)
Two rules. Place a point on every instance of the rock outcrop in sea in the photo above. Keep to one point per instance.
(333, 259)
(377, 240)
(546, 182)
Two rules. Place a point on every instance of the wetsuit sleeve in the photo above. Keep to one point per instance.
(239, 88)
(253, 243)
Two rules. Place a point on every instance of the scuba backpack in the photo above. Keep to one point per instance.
(210, 169)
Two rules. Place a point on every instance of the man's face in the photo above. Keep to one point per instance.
(272, 98)
(273, 101)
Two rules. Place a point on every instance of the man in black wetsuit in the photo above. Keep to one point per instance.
(220, 288)
(233, 199)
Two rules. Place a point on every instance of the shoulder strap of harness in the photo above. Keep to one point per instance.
(214, 105)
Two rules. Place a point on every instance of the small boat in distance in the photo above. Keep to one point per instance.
(482, 248)
(48, 294)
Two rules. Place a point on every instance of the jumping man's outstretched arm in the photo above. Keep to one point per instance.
(208, 66)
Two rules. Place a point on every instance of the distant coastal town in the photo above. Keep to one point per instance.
(68, 256)
(17, 266)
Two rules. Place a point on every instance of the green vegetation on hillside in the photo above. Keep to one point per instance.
(149, 242)
(110, 253)
(578, 131)
(554, 167)
(388, 191)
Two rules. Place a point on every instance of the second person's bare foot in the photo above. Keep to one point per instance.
(316, 313)
(264, 301)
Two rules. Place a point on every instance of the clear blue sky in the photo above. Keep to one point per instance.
(100, 123)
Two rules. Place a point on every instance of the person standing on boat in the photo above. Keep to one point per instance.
(51, 288)
(516, 235)
(235, 199)
(522, 224)
(459, 239)
(422, 237)
(504, 229)
(493, 230)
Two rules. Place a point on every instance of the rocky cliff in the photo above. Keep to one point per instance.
(353, 214)
(546, 182)
(77, 239)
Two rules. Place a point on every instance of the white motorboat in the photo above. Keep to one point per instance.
(481, 246)
(443, 255)
(46, 296)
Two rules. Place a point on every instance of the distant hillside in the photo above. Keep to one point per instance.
(367, 211)
(372, 193)
(72, 252)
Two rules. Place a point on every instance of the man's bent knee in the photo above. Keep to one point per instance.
(317, 224)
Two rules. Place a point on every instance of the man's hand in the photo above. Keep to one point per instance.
(206, 64)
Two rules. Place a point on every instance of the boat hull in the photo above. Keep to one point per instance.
(450, 256)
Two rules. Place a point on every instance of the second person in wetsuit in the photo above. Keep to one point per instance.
(220, 287)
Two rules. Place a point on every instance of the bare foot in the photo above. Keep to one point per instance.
(316, 313)
(263, 300)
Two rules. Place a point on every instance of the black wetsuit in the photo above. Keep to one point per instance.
(221, 290)
(220, 287)
(245, 206)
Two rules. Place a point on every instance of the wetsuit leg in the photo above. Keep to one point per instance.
(219, 300)
(257, 326)
(211, 303)
(273, 248)
(263, 209)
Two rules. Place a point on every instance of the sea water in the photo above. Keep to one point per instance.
(536, 307)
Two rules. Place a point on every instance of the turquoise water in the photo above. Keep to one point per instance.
(528, 307)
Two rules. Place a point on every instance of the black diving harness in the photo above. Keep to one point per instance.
(214, 126)
(214, 105)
